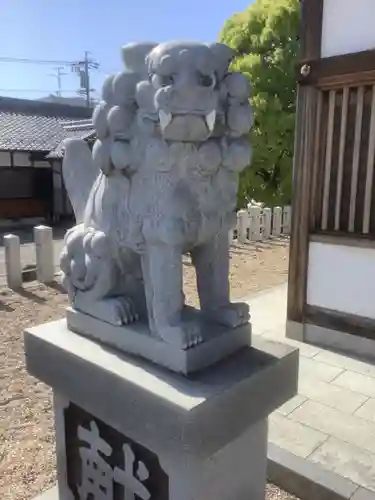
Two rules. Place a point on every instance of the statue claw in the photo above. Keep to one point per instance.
(233, 315)
(184, 336)
(116, 310)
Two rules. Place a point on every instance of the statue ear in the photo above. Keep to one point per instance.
(134, 55)
(223, 55)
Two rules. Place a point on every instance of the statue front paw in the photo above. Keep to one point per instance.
(183, 336)
(115, 310)
(233, 315)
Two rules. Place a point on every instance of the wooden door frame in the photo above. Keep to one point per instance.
(307, 103)
(313, 74)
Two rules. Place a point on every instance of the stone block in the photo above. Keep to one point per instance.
(136, 339)
(349, 461)
(202, 437)
(306, 479)
(342, 426)
(291, 405)
(309, 368)
(292, 436)
(363, 494)
(330, 395)
(367, 410)
(357, 383)
(347, 362)
(305, 350)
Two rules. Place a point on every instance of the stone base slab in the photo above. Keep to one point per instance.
(235, 471)
(238, 471)
(205, 436)
(295, 475)
(182, 410)
(136, 339)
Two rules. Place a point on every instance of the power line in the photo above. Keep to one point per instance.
(36, 90)
(81, 67)
(104, 71)
(34, 61)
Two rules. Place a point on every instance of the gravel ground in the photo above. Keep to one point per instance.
(27, 460)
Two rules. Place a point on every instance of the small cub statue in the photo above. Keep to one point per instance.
(159, 182)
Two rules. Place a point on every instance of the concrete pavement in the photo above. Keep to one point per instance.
(331, 422)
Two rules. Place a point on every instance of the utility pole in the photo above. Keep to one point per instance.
(87, 78)
(58, 75)
(83, 69)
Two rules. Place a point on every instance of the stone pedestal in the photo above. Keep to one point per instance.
(144, 432)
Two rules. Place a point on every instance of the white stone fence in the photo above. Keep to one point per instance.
(44, 258)
(254, 224)
(259, 224)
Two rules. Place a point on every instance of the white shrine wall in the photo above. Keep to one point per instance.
(348, 27)
(342, 278)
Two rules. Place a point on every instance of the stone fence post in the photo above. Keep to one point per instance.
(13, 261)
(45, 265)
(277, 221)
(242, 225)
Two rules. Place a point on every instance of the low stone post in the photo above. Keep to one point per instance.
(277, 220)
(267, 223)
(13, 261)
(255, 224)
(242, 226)
(286, 219)
(230, 236)
(45, 266)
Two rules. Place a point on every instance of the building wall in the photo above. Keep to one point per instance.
(348, 26)
(5, 159)
(23, 187)
(62, 205)
(21, 159)
(332, 259)
(342, 278)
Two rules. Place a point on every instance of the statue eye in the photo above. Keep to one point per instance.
(205, 80)
(166, 80)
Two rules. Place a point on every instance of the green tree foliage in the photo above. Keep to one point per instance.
(265, 37)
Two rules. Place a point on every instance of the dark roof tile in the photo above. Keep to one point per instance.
(39, 126)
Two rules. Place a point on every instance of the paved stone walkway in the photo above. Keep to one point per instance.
(332, 419)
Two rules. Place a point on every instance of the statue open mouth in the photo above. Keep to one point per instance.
(165, 118)
(187, 126)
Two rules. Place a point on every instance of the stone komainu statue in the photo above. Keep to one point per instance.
(161, 181)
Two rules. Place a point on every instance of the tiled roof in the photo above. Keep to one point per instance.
(40, 126)
(79, 133)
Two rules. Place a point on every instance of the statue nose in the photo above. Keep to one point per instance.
(187, 81)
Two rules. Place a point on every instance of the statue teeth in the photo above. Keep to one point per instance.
(210, 120)
(165, 118)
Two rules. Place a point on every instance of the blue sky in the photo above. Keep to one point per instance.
(64, 29)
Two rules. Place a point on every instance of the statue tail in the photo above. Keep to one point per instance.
(79, 174)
